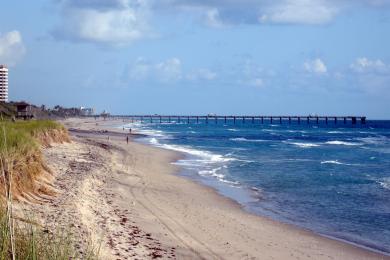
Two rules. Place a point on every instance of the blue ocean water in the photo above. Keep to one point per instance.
(332, 179)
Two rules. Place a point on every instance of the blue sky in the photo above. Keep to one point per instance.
(200, 56)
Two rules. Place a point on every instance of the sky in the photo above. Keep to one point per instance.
(269, 57)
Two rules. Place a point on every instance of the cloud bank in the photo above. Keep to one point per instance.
(121, 22)
(115, 22)
(11, 48)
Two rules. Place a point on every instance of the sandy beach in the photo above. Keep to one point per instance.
(126, 200)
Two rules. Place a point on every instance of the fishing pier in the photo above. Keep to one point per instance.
(206, 119)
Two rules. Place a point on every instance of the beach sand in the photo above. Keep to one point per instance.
(128, 201)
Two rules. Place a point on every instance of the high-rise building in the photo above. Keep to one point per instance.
(3, 83)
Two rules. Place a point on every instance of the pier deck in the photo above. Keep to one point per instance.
(243, 119)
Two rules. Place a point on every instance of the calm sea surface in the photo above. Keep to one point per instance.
(332, 179)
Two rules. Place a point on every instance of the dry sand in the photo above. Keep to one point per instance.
(127, 200)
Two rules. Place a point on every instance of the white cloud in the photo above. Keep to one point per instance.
(11, 48)
(120, 22)
(169, 70)
(220, 12)
(364, 65)
(213, 19)
(112, 22)
(371, 76)
(316, 66)
(300, 12)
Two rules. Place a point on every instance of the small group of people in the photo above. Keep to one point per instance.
(129, 130)
(127, 137)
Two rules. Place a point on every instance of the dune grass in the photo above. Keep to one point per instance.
(27, 240)
(20, 152)
(20, 165)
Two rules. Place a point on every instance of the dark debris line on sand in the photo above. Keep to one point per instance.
(122, 236)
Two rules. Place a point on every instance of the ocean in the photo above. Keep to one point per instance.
(331, 179)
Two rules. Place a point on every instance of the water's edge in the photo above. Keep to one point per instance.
(256, 168)
(248, 194)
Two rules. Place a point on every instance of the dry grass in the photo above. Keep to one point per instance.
(22, 169)
(20, 149)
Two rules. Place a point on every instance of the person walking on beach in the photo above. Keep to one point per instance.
(127, 139)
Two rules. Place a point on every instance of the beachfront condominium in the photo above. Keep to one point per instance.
(3, 83)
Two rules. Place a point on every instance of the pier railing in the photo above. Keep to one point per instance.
(243, 119)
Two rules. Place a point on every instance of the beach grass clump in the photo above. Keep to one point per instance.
(21, 156)
(27, 240)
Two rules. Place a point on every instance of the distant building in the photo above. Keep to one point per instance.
(87, 111)
(24, 110)
(3, 83)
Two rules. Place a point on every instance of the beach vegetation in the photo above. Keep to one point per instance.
(21, 166)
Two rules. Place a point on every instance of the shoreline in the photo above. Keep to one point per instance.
(248, 210)
(248, 193)
(347, 249)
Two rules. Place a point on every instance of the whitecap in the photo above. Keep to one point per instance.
(335, 132)
(332, 162)
(296, 131)
(337, 142)
(154, 141)
(338, 163)
(304, 145)
(242, 139)
(150, 132)
(385, 183)
(208, 156)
